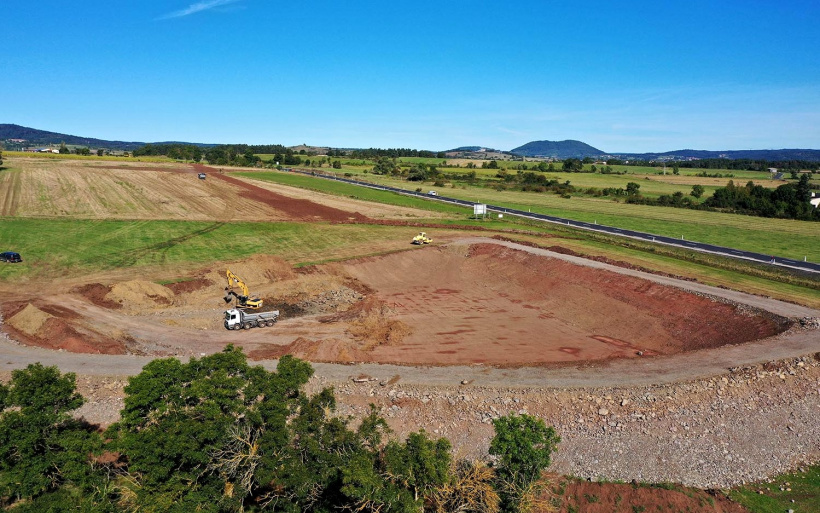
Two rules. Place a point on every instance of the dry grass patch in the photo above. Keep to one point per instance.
(371, 325)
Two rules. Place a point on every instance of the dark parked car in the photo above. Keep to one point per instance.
(10, 256)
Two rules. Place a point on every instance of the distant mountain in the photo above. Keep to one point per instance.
(557, 149)
(769, 155)
(474, 149)
(35, 137)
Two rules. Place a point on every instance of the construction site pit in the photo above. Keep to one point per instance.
(458, 304)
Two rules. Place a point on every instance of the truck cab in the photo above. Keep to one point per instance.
(233, 318)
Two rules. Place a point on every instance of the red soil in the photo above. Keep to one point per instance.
(63, 331)
(494, 305)
(183, 287)
(298, 209)
(616, 498)
(453, 305)
(96, 292)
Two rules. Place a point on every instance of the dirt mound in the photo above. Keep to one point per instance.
(140, 294)
(30, 320)
(371, 323)
(96, 293)
(188, 286)
(335, 300)
(256, 271)
(55, 327)
(329, 350)
(59, 334)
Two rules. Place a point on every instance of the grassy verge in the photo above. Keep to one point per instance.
(352, 191)
(798, 491)
(707, 269)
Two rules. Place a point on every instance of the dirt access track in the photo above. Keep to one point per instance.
(483, 310)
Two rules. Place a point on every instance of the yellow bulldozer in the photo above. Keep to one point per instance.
(243, 300)
(422, 238)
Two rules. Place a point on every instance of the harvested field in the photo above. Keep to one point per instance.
(91, 190)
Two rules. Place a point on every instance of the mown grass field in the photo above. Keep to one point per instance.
(351, 191)
(56, 248)
(59, 248)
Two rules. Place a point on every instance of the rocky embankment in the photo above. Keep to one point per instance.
(747, 425)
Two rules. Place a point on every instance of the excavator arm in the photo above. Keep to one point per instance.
(233, 280)
(243, 300)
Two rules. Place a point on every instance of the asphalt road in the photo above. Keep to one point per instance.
(647, 237)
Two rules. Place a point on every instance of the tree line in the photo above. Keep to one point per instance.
(788, 201)
(174, 151)
(729, 164)
(373, 153)
(217, 435)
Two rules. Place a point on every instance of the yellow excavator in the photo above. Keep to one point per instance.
(422, 238)
(243, 300)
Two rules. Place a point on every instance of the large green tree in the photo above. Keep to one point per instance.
(217, 435)
(523, 445)
(193, 433)
(42, 447)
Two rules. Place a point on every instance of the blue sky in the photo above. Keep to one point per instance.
(628, 76)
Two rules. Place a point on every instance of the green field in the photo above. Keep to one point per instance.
(59, 248)
(352, 191)
(780, 237)
(652, 181)
(53, 248)
(801, 493)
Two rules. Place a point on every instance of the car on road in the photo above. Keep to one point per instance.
(201, 176)
(432, 193)
(10, 256)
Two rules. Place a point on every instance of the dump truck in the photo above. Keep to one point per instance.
(236, 319)
(422, 238)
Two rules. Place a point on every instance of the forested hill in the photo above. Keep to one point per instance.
(578, 149)
(35, 137)
(557, 149)
(768, 155)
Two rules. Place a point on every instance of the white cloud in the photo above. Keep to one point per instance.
(197, 7)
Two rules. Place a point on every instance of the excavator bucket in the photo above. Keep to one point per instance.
(228, 298)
